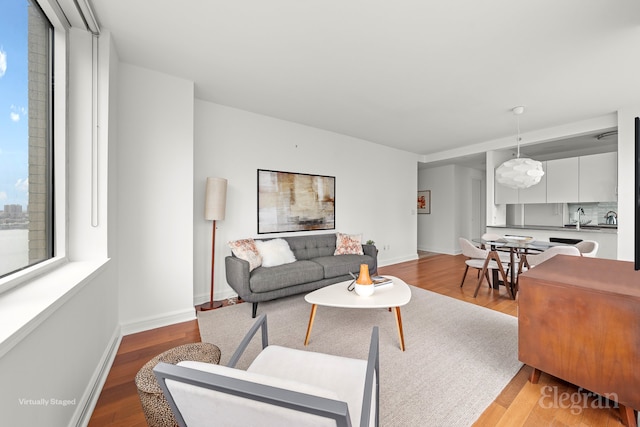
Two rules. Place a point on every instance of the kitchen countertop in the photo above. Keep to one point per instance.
(600, 228)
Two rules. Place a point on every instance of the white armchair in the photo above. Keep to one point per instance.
(282, 386)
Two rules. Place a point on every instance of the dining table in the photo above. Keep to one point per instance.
(516, 246)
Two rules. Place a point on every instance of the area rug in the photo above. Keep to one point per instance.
(458, 356)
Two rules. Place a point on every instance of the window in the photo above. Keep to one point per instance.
(26, 185)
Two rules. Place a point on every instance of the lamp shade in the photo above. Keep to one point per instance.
(215, 199)
(519, 173)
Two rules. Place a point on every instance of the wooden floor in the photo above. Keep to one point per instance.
(520, 403)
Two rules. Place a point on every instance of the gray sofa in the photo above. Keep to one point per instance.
(314, 268)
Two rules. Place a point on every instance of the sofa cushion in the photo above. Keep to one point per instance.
(348, 244)
(264, 279)
(275, 252)
(339, 265)
(246, 249)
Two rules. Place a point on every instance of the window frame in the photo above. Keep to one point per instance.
(57, 154)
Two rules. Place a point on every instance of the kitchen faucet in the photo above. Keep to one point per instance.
(580, 211)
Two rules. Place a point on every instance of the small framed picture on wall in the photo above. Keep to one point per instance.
(424, 202)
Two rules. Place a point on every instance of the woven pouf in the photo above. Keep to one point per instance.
(155, 406)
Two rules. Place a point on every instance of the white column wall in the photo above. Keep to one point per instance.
(626, 182)
(155, 198)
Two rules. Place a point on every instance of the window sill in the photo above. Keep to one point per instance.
(27, 305)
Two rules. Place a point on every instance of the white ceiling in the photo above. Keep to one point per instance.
(420, 75)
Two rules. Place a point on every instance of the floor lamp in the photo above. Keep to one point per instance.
(215, 201)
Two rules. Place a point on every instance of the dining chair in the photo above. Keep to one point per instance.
(530, 261)
(475, 257)
(479, 259)
(494, 237)
(588, 248)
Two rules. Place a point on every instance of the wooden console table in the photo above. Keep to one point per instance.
(579, 320)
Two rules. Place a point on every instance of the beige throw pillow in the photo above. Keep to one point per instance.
(348, 244)
(246, 249)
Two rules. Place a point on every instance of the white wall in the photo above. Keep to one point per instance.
(62, 358)
(155, 198)
(375, 185)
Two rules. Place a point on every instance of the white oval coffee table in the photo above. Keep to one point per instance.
(337, 295)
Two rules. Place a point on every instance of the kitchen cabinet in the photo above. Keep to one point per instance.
(598, 178)
(581, 179)
(563, 180)
(536, 193)
(505, 195)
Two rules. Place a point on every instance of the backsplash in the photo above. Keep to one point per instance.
(592, 211)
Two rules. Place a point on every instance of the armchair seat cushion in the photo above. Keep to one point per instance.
(346, 376)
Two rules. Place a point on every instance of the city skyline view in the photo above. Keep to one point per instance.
(14, 118)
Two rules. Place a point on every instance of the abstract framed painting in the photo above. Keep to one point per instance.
(424, 202)
(289, 201)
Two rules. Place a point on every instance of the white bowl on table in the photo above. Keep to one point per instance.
(518, 239)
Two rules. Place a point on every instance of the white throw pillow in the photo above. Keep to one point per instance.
(275, 252)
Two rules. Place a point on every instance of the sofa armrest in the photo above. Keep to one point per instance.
(238, 274)
(372, 251)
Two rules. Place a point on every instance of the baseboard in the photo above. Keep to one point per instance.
(226, 294)
(398, 260)
(89, 399)
(159, 321)
(445, 251)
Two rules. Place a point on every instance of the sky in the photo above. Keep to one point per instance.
(14, 103)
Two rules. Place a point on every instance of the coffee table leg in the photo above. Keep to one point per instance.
(312, 316)
(399, 323)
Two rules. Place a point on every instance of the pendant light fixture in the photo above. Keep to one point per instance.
(519, 172)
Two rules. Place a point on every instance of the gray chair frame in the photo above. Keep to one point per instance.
(321, 406)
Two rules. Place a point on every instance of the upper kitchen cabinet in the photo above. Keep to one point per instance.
(562, 180)
(536, 193)
(599, 178)
(505, 195)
